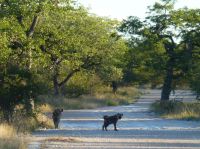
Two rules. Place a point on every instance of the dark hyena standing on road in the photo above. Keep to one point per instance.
(56, 116)
(111, 120)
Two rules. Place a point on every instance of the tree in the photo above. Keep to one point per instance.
(17, 87)
(57, 39)
(18, 22)
(161, 36)
(77, 42)
(190, 42)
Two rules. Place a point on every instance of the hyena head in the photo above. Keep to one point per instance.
(119, 115)
(60, 111)
(57, 113)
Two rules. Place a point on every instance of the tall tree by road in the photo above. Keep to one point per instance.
(160, 37)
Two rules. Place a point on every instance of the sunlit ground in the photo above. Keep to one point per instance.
(139, 128)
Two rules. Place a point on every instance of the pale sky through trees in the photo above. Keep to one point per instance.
(121, 9)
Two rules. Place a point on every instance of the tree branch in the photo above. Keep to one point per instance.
(68, 77)
(32, 27)
(169, 37)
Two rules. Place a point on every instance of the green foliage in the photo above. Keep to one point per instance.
(164, 47)
(78, 42)
(48, 45)
(81, 83)
(111, 103)
(17, 87)
(195, 79)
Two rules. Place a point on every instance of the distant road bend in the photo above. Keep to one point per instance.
(138, 129)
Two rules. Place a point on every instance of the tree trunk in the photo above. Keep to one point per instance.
(55, 79)
(7, 115)
(167, 86)
(114, 87)
(56, 85)
(67, 78)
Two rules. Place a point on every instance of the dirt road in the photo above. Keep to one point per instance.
(139, 128)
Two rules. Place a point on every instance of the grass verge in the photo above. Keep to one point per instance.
(9, 138)
(103, 97)
(12, 136)
(177, 110)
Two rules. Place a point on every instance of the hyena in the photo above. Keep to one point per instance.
(111, 120)
(56, 117)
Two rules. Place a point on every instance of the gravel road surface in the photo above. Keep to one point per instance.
(139, 128)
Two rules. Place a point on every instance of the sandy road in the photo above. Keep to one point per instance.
(139, 128)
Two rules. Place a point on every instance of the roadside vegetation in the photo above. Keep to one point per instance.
(9, 138)
(104, 96)
(177, 110)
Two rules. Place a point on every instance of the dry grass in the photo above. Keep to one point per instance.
(9, 134)
(103, 97)
(25, 124)
(21, 125)
(62, 139)
(45, 108)
(178, 110)
(9, 139)
(44, 120)
(7, 131)
(12, 143)
(186, 115)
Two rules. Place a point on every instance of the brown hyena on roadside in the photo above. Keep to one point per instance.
(111, 120)
(56, 117)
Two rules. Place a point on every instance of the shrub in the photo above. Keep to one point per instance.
(80, 84)
(18, 87)
(177, 109)
(111, 103)
(167, 106)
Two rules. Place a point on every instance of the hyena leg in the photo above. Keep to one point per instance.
(106, 127)
(115, 127)
(56, 122)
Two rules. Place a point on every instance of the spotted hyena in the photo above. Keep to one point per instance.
(111, 120)
(56, 117)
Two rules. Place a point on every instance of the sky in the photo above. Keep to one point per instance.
(121, 9)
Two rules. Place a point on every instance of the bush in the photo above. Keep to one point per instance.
(164, 107)
(24, 124)
(111, 103)
(177, 109)
(18, 88)
(80, 84)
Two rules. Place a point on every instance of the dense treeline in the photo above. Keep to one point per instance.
(57, 47)
(45, 43)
